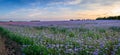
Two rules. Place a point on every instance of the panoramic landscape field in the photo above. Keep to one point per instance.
(59, 27)
(85, 37)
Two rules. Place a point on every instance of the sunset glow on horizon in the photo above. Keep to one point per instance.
(53, 10)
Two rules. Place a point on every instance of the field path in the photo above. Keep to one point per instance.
(3, 50)
(9, 47)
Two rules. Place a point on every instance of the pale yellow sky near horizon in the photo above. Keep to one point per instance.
(63, 10)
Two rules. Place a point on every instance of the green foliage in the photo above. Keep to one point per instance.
(36, 50)
(31, 47)
(54, 30)
(17, 38)
(40, 28)
(102, 30)
(81, 29)
(115, 28)
(92, 35)
(109, 47)
(118, 51)
(63, 30)
(52, 46)
(83, 52)
(71, 34)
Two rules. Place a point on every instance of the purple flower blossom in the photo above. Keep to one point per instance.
(96, 52)
(101, 45)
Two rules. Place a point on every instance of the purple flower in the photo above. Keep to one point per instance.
(101, 45)
(113, 53)
(119, 44)
(96, 52)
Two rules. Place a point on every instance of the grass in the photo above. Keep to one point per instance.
(115, 28)
(35, 50)
(71, 34)
(81, 29)
(89, 41)
(17, 38)
(31, 49)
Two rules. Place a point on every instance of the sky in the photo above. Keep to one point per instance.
(55, 10)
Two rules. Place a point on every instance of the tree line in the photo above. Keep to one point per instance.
(109, 18)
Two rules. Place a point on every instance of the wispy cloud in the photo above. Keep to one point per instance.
(43, 14)
(65, 9)
(68, 2)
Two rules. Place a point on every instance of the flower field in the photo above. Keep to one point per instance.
(65, 38)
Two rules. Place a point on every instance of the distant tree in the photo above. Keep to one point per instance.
(109, 18)
(10, 21)
(35, 21)
(77, 19)
(71, 20)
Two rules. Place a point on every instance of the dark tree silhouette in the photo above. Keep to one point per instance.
(109, 18)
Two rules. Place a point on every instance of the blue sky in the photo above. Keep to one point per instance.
(50, 10)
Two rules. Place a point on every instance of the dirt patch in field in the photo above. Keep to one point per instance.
(9, 47)
(3, 50)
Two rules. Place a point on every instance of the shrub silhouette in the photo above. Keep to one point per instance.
(109, 18)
